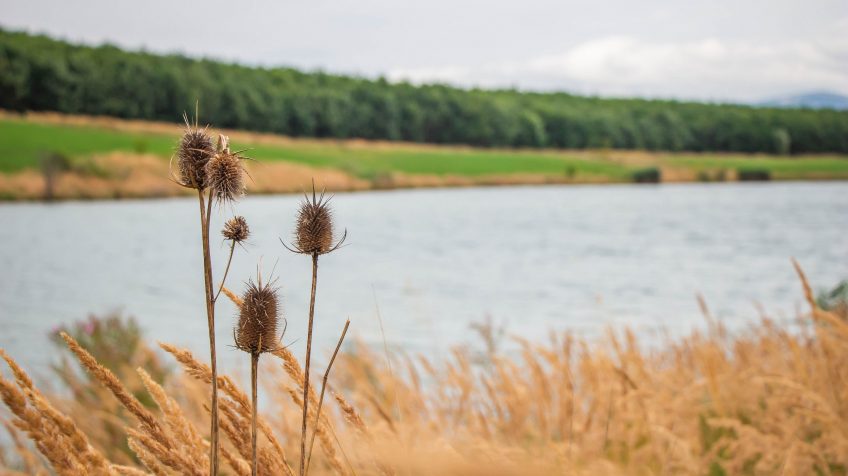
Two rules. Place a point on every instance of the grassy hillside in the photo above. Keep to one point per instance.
(108, 150)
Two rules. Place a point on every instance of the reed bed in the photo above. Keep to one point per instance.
(766, 401)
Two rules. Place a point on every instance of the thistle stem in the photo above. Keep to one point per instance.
(226, 271)
(306, 365)
(210, 318)
(321, 397)
(254, 363)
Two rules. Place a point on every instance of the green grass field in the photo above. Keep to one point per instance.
(22, 142)
(781, 168)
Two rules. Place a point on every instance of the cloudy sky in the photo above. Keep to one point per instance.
(742, 50)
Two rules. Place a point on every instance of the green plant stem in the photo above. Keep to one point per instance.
(210, 318)
(306, 365)
(321, 397)
(254, 363)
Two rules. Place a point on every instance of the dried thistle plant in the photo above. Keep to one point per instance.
(256, 333)
(193, 153)
(236, 230)
(314, 229)
(217, 174)
(314, 237)
(224, 173)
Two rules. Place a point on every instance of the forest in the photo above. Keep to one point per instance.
(38, 73)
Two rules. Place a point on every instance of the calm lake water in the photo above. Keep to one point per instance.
(536, 259)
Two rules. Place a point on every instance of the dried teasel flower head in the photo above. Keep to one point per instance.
(193, 153)
(225, 173)
(236, 229)
(314, 232)
(256, 331)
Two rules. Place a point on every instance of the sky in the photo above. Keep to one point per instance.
(715, 50)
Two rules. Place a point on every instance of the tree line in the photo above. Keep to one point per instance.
(39, 73)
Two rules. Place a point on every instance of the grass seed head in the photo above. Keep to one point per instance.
(256, 331)
(193, 153)
(236, 229)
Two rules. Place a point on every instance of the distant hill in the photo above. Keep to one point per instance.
(811, 100)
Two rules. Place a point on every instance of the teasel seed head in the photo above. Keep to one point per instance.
(236, 229)
(225, 174)
(314, 232)
(193, 153)
(256, 331)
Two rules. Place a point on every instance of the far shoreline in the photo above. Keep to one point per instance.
(51, 156)
(448, 187)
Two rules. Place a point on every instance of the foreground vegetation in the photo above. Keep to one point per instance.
(108, 158)
(768, 401)
(41, 74)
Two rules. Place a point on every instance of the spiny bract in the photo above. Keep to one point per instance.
(256, 331)
(314, 232)
(236, 229)
(193, 153)
(225, 176)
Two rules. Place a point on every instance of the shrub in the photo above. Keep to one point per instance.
(647, 175)
(753, 175)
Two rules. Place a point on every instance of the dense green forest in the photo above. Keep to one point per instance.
(39, 73)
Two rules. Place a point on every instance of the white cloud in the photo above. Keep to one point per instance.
(706, 69)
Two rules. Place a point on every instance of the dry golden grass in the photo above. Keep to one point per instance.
(769, 401)
(127, 175)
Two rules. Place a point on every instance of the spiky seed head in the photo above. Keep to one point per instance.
(256, 331)
(225, 176)
(193, 153)
(314, 233)
(236, 229)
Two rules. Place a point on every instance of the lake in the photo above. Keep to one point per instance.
(432, 262)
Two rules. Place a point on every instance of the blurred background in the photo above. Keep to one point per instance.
(548, 165)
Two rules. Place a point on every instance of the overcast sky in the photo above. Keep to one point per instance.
(740, 50)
